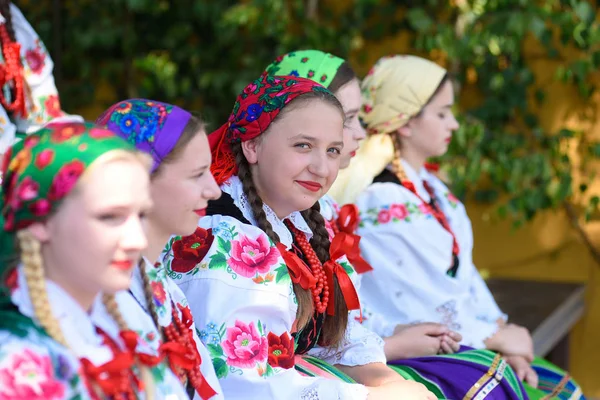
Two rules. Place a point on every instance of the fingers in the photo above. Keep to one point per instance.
(446, 348)
(457, 337)
(433, 329)
(531, 377)
(453, 344)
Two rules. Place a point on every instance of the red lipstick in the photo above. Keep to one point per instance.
(201, 212)
(124, 265)
(310, 185)
(353, 154)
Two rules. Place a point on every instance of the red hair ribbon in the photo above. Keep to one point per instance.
(332, 268)
(348, 223)
(299, 271)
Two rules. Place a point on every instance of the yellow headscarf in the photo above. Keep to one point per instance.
(395, 90)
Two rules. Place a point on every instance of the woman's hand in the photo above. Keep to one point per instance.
(420, 340)
(523, 370)
(512, 340)
(403, 389)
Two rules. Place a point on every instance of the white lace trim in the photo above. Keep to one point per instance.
(233, 187)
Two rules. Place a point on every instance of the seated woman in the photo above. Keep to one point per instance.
(180, 185)
(258, 273)
(28, 98)
(73, 200)
(417, 235)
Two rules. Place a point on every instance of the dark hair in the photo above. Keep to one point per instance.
(344, 74)
(435, 93)
(334, 326)
(307, 98)
(194, 126)
(5, 11)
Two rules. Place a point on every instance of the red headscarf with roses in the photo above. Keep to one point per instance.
(254, 110)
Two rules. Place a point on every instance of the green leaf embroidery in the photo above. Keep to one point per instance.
(260, 329)
(282, 274)
(224, 245)
(215, 350)
(220, 367)
(218, 261)
(270, 371)
(347, 267)
(195, 245)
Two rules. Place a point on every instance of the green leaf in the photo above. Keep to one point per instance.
(215, 350)
(270, 371)
(282, 273)
(218, 261)
(224, 245)
(260, 328)
(419, 20)
(220, 367)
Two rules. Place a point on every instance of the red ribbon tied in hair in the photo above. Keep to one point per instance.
(254, 110)
(332, 268)
(299, 271)
(348, 223)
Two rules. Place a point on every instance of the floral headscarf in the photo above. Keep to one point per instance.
(254, 110)
(151, 126)
(312, 64)
(42, 169)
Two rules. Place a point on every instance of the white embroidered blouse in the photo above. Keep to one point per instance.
(33, 366)
(243, 302)
(411, 252)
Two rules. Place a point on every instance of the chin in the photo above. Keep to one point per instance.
(117, 281)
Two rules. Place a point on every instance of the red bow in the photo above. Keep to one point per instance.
(332, 268)
(299, 271)
(177, 355)
(348, 223)
(109, 376)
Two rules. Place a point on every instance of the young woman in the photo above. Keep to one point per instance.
(418, 237)
(337, 75)
(73, 199)
(181, 185)
(28, 98)
(256, 301)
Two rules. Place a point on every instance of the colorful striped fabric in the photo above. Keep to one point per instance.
(554, 383)
(313, 367)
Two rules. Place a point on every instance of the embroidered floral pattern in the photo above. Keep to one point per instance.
(28, 375)
(448, 315)
(405, 212)
(51, 105)
(36, 58)
(190, 250)
(247, 346)
(249, 256)
(140, 120)
(451, 199)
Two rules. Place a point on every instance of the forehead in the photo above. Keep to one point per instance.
(195, 154)
(444, 96)
(115, 183)
(316, 118)
(349, 95)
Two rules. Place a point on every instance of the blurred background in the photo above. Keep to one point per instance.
(527, 74)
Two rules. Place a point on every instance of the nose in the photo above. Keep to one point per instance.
(359, 132)
(211, 191)
(319, 165)
(134, 236)
(454, 125)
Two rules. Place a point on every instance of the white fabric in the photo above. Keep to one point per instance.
(158, 276)
(228, 306)
(410, 253)
(42, 102)
(57, 364)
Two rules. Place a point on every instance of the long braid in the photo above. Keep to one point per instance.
(6, 13)
(303, 296)
(334, 326)
(397, 167)
(33, 269)
(149, 298)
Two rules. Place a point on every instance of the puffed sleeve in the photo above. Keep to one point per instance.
(242, 300)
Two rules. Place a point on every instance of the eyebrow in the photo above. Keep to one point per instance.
(352, 111)
(201, 168)
(448, 105)
(313, 139)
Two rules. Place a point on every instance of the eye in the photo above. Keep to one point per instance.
(142, 215)
(199, 175)
(302, 145)
(334, 150)
(107, 217)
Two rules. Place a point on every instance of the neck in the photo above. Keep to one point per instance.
(156, 242)
(413, 158)
(83, 296)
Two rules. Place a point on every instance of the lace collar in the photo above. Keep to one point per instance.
(233, 187)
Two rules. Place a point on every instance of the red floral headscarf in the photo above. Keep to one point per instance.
(255, 108)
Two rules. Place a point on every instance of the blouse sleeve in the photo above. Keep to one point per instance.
(43, 100)
(30, 369)
(8, 131)
(242, 300)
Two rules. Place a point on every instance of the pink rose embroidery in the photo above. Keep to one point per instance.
(65, 179)
(384, 216)
(36, 60)
(244, 347)
(251, 256)
(52, 106)
(30, 376)
(424, 208)
(399, 211)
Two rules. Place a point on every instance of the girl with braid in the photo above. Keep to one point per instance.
(263, 281)
(180, 185)
(73, 203)
(418, 238)
(28, 95)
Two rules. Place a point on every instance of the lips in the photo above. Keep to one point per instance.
(124, 265)
(201, 212)
(352, 154)
(310, 185)
(448, 140)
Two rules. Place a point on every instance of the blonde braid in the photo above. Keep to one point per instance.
(145, 374)
(150, 298)
(397, 161)
(33, 270)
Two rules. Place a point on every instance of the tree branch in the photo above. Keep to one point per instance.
(574, 220)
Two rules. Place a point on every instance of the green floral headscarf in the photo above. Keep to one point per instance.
(312, 64)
